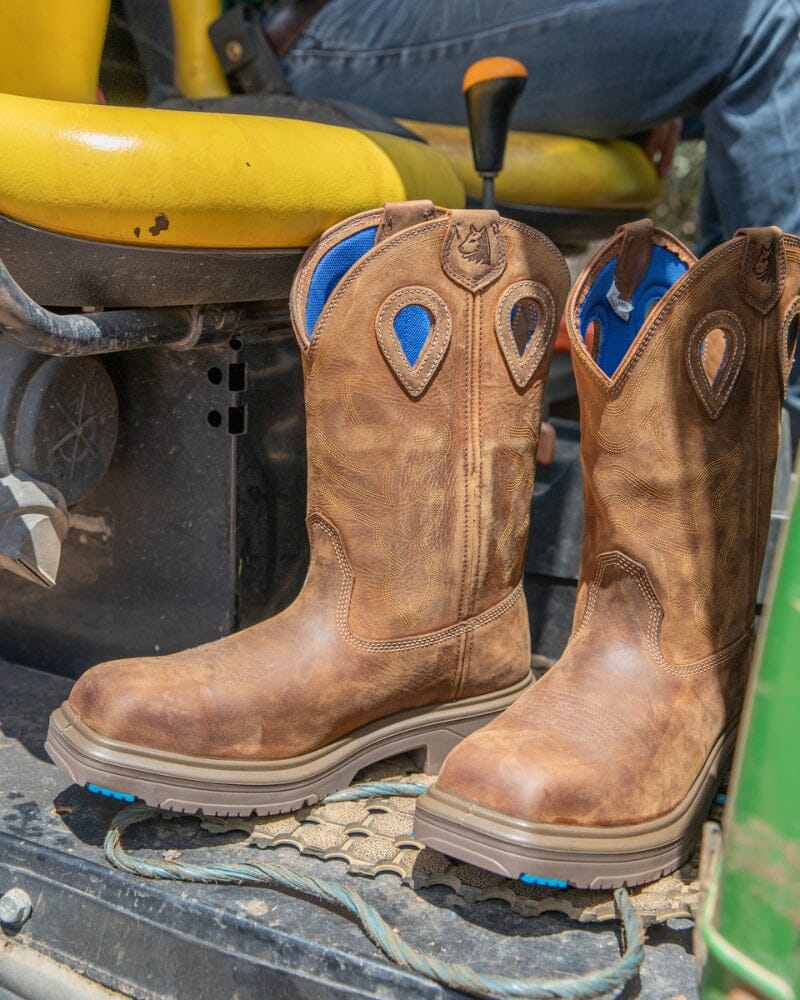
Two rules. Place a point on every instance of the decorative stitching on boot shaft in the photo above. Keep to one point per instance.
(662, 312)
(367, 260)
(299, 293)
(638, 573)
(342, 608)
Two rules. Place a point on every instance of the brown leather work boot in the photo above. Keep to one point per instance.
(426, 337)
(602, 774)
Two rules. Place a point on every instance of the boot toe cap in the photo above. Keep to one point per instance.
(118, 700)
(176, 705)
(526, 778)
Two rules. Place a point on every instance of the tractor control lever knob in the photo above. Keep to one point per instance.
(491, 88)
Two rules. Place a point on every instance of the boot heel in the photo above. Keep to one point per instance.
(431, 757)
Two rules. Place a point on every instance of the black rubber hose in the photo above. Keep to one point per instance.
(92, 333)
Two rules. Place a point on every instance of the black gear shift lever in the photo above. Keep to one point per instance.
(491, 88)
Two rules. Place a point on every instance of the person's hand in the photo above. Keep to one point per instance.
(661, 142)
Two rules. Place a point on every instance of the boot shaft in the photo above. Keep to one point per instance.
(426, 337)
(680, 387)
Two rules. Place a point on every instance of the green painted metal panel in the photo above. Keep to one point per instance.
(750, 925)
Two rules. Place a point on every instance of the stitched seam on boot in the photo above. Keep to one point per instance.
(474, 498)
(476, 431)
(757, 519)
(388, 645)
(537, 237)
(569, 705)
(580, 291)
(462, 591)
(763, 305)
(640, 576)
(695, 272)
(786, 361)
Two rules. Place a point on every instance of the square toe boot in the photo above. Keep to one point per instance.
(602, 773)
(426, 338)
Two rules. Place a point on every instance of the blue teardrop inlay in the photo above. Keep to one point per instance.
(412, 324)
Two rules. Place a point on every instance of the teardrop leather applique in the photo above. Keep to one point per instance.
(714, 357)
(413, 331)
(525, 325)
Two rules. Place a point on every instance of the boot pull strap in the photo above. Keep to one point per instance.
(399, 215)
(633, 262)
(763, 272)
(634, 257)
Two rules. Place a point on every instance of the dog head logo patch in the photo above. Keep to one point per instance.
(765, 267)
(763, 270)
(475, 246)
(474, 253)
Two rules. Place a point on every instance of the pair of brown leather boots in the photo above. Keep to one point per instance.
(426, 338)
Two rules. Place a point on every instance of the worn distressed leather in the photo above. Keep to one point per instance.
(419, 486)
(678, 478)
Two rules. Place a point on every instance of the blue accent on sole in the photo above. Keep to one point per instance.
(109, 793)
(550, 883)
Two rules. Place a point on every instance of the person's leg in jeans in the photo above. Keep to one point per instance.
(598, 68)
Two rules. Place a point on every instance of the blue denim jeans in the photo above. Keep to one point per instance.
(597, 68)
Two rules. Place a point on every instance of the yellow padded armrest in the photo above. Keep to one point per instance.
(192, 179)
(555, 170)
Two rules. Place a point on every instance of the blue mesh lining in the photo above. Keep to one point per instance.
(617, 335)
(332, 268)
(412, 324)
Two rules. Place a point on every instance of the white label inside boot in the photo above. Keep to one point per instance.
(621, 306)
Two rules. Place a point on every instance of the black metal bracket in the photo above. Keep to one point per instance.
(245, 55)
